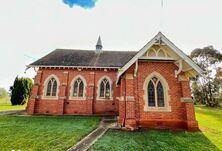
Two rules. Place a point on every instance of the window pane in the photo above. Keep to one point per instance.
(102, 89)
(81, 86)
(151, 94)
(54, 88)
(160, 95)
(48, 93)
(107, 90)
(75, 89)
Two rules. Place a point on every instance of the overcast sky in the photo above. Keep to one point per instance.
(30, 29)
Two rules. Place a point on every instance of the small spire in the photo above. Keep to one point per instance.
(99, 45)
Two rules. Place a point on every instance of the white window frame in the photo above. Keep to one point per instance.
(71, 97)
(46, 86)
(164, 83)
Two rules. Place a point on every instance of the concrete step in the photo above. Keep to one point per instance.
(109, 119)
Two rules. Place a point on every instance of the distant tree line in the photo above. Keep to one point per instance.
(3, 93)
(207, 89)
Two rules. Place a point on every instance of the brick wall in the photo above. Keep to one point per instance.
(181, 113)
(64, 105)
(127, 98)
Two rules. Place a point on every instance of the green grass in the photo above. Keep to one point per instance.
(43, 133)
(210, 121)
(5, 104)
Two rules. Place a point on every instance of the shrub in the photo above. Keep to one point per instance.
(20, 91)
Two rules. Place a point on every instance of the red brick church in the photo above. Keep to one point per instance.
(145, 88)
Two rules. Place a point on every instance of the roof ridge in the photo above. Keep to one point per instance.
(70, 49)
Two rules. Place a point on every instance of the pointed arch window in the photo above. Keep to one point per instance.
(155, 93)
(151, 94)
(105, 89)
(52, 87)
(78, 88)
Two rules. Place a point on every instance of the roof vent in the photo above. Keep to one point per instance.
(99, 45)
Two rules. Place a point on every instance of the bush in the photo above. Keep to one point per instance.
(20, 91)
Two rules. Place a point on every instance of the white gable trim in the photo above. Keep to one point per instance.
(169, 44)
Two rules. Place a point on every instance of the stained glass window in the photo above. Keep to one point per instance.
(78, 88)
(155, 93)
(160, 95)
(102, 87)
(51, 87)
(151, 94)
(105, 89)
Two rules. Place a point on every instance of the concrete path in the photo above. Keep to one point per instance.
(8, 112)
(89, 140)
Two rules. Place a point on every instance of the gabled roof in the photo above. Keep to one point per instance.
(121, 60)
(84, 58)
(159, 38)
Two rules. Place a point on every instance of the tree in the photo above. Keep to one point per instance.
(218, 78)
(20, 91)
(206, 88)
(218, 81)
(3, 93)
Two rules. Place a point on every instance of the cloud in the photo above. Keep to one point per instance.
(82, 3)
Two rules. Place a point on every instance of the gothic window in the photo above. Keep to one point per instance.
(160, 95)
(78, 88)
(51, 87)
(151, 94)
(105, 89)
(155, 93)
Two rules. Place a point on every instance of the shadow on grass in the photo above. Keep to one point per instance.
(154, 140)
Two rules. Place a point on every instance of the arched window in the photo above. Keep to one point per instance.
(51, 87)
(155, 93)
(160, 95)
(78, 88)
(105, 89)
(151, 94)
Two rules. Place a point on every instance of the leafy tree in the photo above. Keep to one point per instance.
(218, 78)
(20, 91)
(3, 93)
(206, 88)
(218, 81)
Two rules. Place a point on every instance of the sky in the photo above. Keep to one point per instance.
(30, 29)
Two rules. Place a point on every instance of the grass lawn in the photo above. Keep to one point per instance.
(5, 104)
(210, 121)
(43, 133)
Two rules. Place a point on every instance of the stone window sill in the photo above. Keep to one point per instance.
(157, 109)
(50, 97)
(77, 98)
